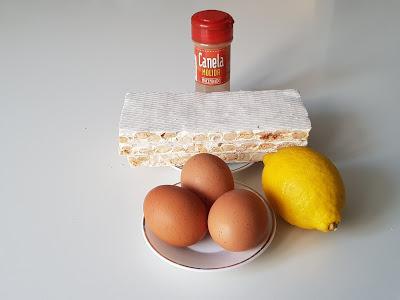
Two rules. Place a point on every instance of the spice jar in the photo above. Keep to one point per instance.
(212, 34)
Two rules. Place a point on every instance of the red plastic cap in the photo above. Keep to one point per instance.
(212, 27)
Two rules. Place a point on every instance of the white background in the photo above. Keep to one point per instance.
(71, 208)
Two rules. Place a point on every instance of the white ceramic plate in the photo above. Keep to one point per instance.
(207, 255)
(235, 167)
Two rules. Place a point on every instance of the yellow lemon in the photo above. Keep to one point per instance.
(304, 187)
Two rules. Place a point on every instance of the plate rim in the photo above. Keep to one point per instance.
(245, 166)
(266, 244)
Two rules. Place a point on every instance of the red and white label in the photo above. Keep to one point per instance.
(212, 65)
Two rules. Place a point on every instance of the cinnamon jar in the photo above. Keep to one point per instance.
(212, 34)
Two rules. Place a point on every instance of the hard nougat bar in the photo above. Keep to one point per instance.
(167, 128)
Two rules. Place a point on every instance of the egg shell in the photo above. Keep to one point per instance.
(238, 220)
(175, 215)
(208, 176)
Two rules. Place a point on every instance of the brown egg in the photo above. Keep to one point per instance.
(175, 215)
(238, 220)
(208, 176)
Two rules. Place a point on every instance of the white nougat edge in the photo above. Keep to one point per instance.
(225, 111)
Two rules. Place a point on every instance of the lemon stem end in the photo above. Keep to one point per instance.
(333, 227)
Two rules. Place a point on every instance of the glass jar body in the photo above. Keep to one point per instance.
(221, 64)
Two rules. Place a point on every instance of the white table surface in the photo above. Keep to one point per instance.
(71, 208)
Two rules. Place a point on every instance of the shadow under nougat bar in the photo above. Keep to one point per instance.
(163, 129)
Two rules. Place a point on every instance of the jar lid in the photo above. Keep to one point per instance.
(212, 27)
